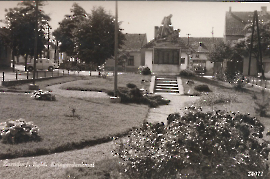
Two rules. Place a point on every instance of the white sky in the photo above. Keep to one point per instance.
(195, 18)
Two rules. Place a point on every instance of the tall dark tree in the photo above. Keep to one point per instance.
(66, 33)
(89, 37)
(21, 22)
(96, 38)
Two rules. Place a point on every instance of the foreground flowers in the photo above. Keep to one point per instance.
(16, 131)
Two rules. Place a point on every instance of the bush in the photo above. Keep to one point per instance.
(40, 95)
(214, 145)
(131, 85)
(239, 81)
(134, 95)
(230, 75)
(220, 77)
(144, 70)
(262, 105)
(187, 72)
(202, 88)
(18, 131)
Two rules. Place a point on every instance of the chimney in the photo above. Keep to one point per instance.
(264, 10)
(230, 9)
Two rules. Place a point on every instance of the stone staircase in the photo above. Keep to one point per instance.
(166, 84)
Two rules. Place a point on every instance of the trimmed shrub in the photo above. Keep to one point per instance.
(144, 70)
(187, 72)
(215, 145)
(131, 85)
(46, 95)
(135, 95)
(18, 131)
(239, 81)
(202, 88)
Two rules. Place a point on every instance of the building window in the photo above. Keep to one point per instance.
(130, 61)
(197, 56)
(166, 56)
(183, 60)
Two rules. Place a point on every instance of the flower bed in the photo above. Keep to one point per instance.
(199, 145)
(18, 131)
(46, 95)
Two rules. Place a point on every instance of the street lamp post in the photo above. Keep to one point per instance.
(115, 49)
(35, 48)
(48, 55)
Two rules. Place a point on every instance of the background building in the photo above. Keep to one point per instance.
(234, 30)
(130, 53)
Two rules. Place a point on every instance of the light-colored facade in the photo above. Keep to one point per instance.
(166, 55)
(135, 58)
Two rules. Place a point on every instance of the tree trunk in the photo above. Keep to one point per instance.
(25, 62)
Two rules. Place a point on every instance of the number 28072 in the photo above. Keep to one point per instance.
(255, 173)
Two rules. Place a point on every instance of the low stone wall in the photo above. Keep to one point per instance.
(17, 82)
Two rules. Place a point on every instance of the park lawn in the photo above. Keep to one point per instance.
(107, 84)
(245, 102)
(94, 122)
(43, 84)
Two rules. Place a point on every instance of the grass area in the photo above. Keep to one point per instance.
(95, 121)
(243, 102)
(103, 169)
(107, 84)
(43, 84)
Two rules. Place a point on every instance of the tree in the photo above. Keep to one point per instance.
(69, 26)
(96, 37)
(243, 45)
(21, 22)
(219, 53)
(89, 37)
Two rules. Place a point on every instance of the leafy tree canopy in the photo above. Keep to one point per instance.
(21, 24)
(89, 37)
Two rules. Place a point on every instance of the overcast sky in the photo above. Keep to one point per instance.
(195, 18)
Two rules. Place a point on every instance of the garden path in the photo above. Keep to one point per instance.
(161, 113)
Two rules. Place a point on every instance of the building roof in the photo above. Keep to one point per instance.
(134, 41)
(201, 44)
(178, 43)
(236, 21)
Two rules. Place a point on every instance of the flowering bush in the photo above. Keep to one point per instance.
(40, 95)
(144, 70)
(18, 131)
(216, 145)
(239, 81)
(220, 77)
